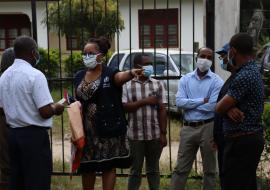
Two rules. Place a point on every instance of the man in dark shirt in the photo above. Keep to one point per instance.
(242, 125)
(8, 57)
(218, 122)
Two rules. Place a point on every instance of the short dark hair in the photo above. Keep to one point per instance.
(200, 49)
(7, 60)
(243, 43)
(138, 58)
(24, 45)
(103, 44)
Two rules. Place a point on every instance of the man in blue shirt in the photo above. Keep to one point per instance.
(242, 125)
(197, 95)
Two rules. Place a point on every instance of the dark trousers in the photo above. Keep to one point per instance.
(30, 159)
(220, 155)
(151, 151)
(241, 158)
(4, 160)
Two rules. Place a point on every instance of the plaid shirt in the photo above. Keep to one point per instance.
(143, 124)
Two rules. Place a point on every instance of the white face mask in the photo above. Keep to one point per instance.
(203, 64)
(90, 61)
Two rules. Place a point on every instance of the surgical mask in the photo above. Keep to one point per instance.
(37, 59)
(90, 61)
(223, 66)
(148, 70)
(203, 64)
(231, 60)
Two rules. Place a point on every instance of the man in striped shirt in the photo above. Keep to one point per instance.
(144, 100)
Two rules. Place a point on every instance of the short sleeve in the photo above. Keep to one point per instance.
(1, 103)
(41, 93)
(78, 78)
(125, 94)
(240, 86)
(113, 72)
(162, 93)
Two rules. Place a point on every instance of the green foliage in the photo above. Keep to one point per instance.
(266, 124)
(49, 64)
(73, 63)
(266, 115)
(75, 21)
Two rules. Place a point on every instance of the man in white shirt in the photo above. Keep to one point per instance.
(28, 106)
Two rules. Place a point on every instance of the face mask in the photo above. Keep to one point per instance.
(90, 61)
(231, 60)
(37, 58)
(148, 70)
(223, 66)
(203, 64)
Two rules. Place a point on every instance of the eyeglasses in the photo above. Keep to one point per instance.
(88, 53)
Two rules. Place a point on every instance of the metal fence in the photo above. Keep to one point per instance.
(138, 30)
(167, 27)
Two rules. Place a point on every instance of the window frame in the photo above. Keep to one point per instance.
(13, 21)
(151, 17)
(69, 43)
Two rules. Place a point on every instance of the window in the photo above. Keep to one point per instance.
(114, 63)
(73, 43)
(186, 62)
(11, 26)
(158, 28)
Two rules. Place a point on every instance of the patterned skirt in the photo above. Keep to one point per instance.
(102, 154)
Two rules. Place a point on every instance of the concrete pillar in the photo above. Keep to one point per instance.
(227, 23)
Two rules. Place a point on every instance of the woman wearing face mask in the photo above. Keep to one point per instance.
(99, 89)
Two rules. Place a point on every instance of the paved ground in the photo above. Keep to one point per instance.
(164, 160)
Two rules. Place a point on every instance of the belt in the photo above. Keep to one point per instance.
(197, 123)
(28, 127)
(240, 134)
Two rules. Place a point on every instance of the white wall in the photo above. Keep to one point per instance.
(227, 24)
(25, 8)
(187, 27)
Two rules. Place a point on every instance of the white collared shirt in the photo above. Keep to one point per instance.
(23, 90)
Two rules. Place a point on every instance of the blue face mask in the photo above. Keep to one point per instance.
(231, 60)
(90, 61)
(148, 70)
(223, 66)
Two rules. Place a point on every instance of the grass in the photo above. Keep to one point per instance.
(64, 183)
